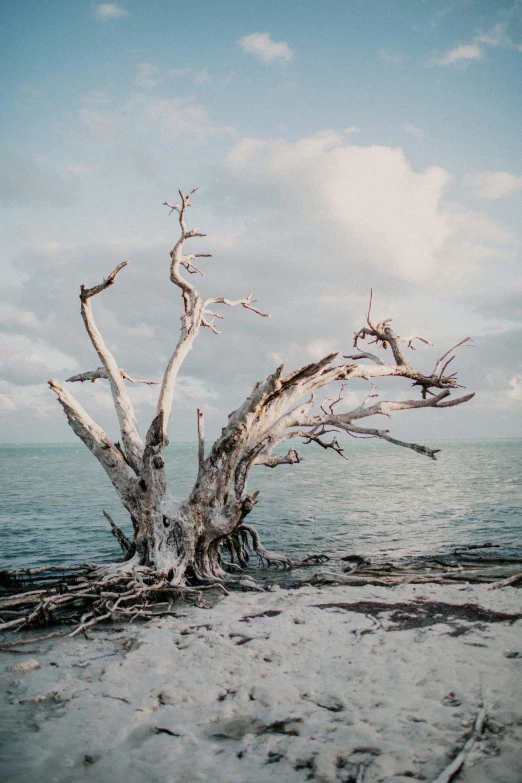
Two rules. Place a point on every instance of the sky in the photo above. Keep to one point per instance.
(338, 147)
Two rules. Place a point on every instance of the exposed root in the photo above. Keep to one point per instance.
(92, 597)
(85, 595)
(268, 557)
(128, 547)
(262, 553)
(315, 559)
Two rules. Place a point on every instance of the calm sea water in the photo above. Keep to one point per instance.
(381, 501)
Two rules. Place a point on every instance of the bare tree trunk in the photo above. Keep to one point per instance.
(181, 540)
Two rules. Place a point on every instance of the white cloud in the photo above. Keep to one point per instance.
(168, 119)
(413, 129)
(80, 170)
(15, 320)
(200, 77)
(439, 16)
(319, 348)
(515, 390)
(265, 49)
(147, 76)
(464, 54)
(25, 401)
(105, 11)
(369, 196)
(370, 208)
(497, 36)
(352, 130)
(25, 362)
(493, 184)
(461, 55)
(388, 57)
(23, 181)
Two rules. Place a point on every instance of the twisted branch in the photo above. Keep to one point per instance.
(196, 313)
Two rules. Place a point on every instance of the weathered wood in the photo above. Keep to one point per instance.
(101, 372)
(122, 404)
(512, 580)
(178, 540)
(120, 536)
(451, 770)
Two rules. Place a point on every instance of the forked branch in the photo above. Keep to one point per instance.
(196, 313)
(383, 335)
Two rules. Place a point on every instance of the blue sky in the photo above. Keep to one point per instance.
(338, 146)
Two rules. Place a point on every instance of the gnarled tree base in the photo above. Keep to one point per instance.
(80, 597)
(87, 594)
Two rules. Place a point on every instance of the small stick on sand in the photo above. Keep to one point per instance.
(360, 774)
(451, 770)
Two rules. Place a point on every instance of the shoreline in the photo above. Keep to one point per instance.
(323, 684)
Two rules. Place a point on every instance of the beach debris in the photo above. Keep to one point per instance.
(162, 730)
(404, 616)
(237, 727)
(117, 698)
(267, 613)
(512, 580)
(468, 547)
(327, 701)
(26, 666)
(85, 595)
(356, 559)
(451, 770)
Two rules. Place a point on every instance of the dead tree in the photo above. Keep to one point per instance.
(183, 541)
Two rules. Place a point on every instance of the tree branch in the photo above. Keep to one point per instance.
(268, 416)
(127, 419)
(383, 334)
(439, 366)
(119, 472)
(290, 458)
(247, 303)
(366, 355)
(196, 313)
(101, 372)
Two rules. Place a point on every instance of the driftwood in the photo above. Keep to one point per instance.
(185, 539)
(85, 603)
(505, 582)
(451, 770)
(398, 577)
(204, 537)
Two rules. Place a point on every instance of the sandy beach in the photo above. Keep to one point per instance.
(329, 684)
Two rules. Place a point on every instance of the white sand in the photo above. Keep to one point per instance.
(310, 697)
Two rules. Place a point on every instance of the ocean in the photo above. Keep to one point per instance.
(382, 501)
